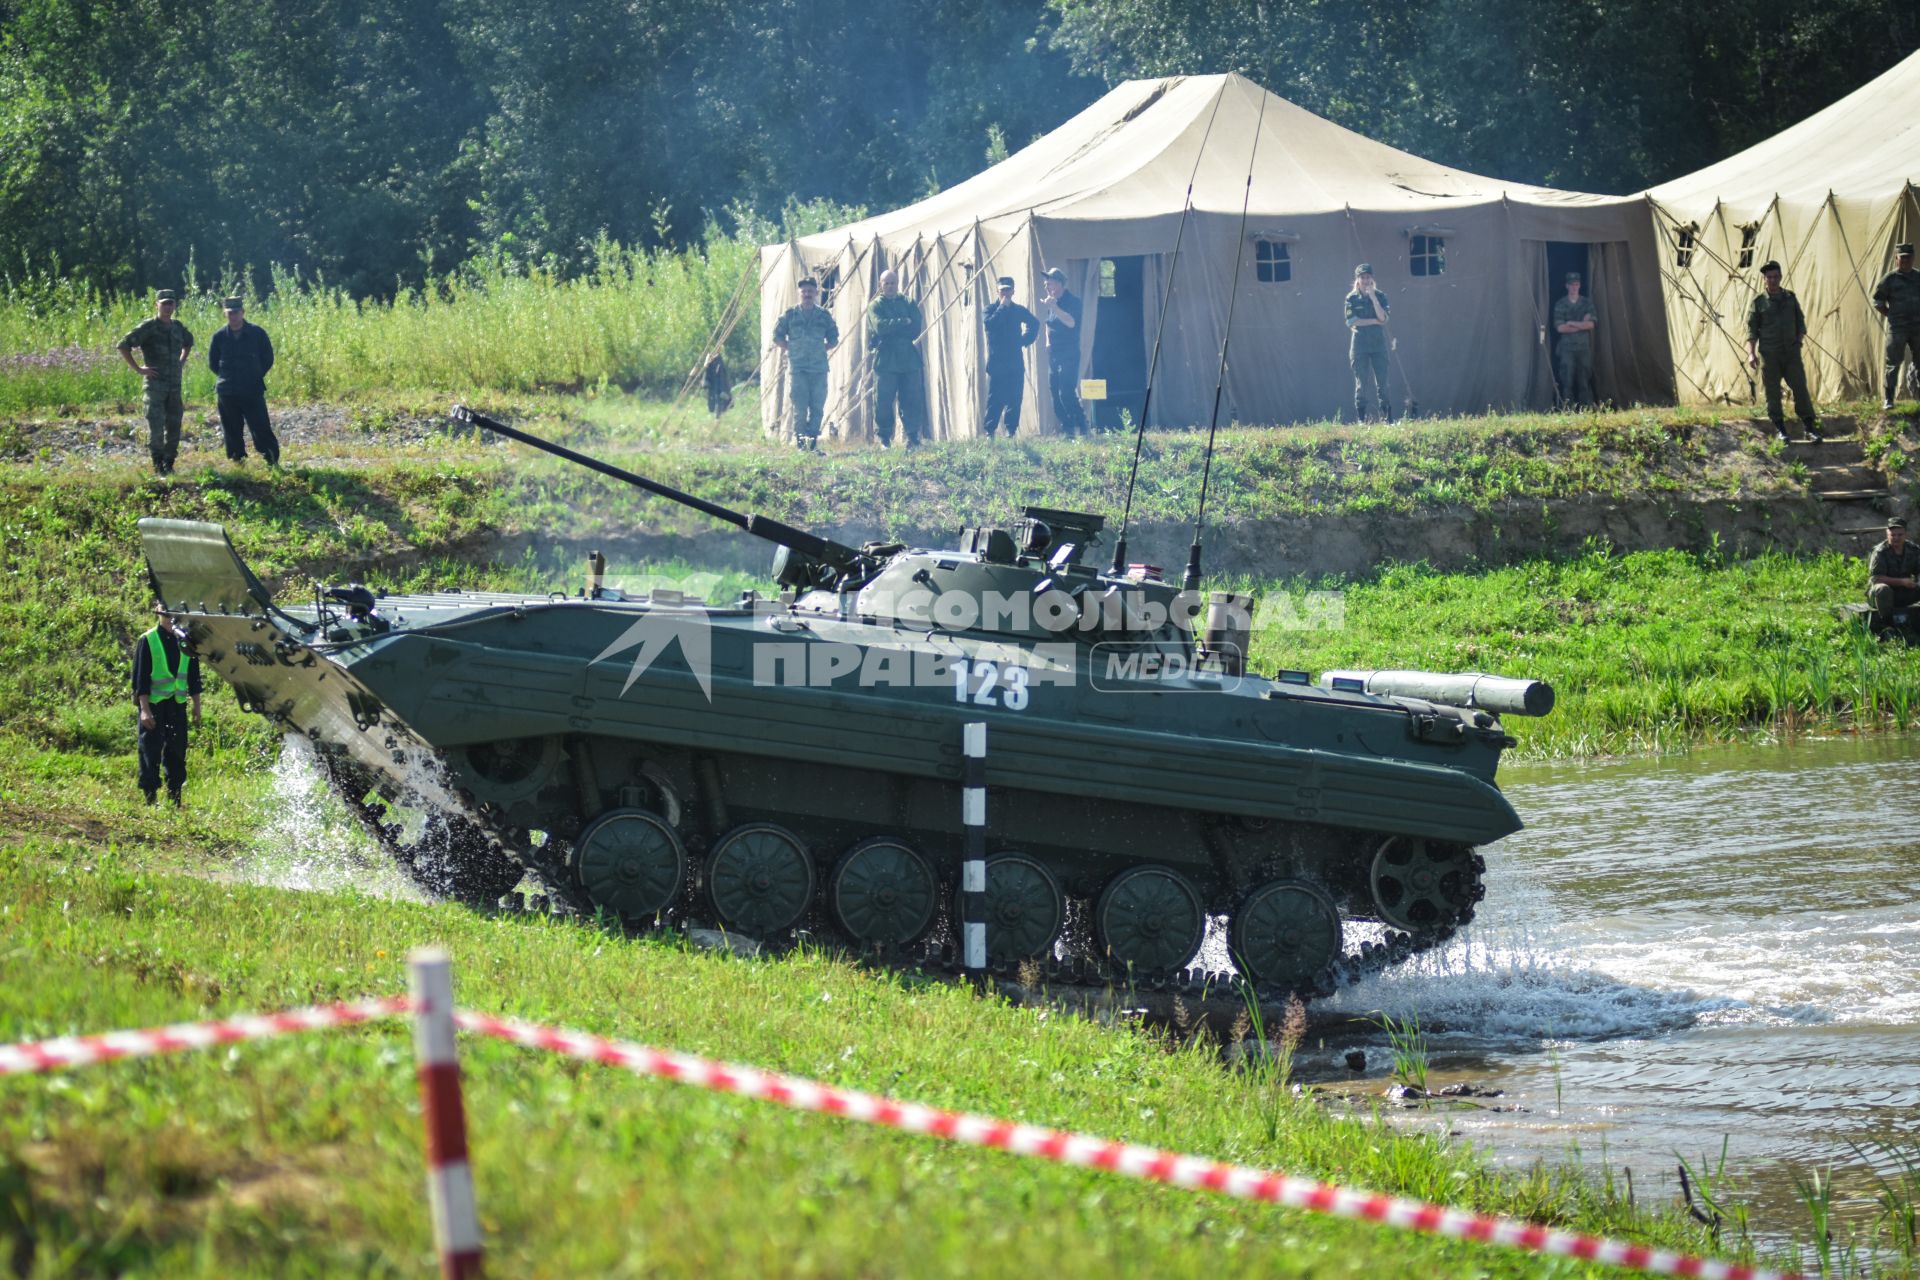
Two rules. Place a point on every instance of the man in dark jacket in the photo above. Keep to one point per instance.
(1010, 329)
(240, 356)
(1897, 297)
(166, 678)
(1062, 311)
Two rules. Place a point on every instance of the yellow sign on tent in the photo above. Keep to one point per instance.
(1093, 388)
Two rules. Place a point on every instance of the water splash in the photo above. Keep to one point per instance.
(311, 842)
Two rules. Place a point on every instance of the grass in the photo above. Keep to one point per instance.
(301, 1157)
(638, 319)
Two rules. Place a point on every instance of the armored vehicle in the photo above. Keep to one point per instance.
(793, 764)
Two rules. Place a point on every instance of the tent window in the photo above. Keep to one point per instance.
(1426, 255)
(829, 286)
(1106, 278)
(1272, 264)
(1748, 234)
(1683, 251)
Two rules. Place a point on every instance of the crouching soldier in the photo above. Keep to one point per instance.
(1893, 578)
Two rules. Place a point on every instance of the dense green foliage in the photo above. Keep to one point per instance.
(370, 143)
(1566, 93)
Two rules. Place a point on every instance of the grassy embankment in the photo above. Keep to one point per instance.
(297, 1157)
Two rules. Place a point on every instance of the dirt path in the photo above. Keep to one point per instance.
(122, 437)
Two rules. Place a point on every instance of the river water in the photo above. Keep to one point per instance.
(1682, 956)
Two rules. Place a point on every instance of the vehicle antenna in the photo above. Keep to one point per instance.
(1153, 364)
(1192, 580)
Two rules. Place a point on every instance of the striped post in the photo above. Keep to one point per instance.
(456, 1223)
(973, 871)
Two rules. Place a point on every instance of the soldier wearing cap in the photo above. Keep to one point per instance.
(164, 343)
(240, 355)
(807, 333)
(893, 333)
(1898, 299)
(1893, 576)
(166, 679)
(1010, 330)
(1060, 308)
(1367, 314)
(1776, 326)
(1574, 320)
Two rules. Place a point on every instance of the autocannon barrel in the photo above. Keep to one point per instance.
(1499, 694)
(812, 545)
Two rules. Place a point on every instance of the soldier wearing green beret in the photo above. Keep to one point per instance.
(893, 330)
(1776, 327)
(1574, 320)
(1898, 299)
(164, 343)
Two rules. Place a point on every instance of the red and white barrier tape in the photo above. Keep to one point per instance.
(460, 1244)
(80, 1051)
(1098, 1153)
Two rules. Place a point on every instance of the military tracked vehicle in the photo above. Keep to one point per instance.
(785, 765)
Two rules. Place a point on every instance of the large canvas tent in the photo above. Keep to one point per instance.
(1828, 199)
(1471, 264)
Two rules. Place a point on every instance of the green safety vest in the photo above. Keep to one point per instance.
(167, 683)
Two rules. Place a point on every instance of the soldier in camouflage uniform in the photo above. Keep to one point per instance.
(893, 325)
(1574, 319)
(1367, 311)
(1898, 299)
(164, 343)
(807, 333)
(1775, 328)
(1893, 577)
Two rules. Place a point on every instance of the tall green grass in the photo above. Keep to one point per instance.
(637, 319)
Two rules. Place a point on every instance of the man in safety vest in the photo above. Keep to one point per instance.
(166, 679)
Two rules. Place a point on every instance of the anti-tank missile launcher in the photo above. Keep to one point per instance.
(793, 764)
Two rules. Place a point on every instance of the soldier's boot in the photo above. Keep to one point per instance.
(1780, 431)
(1814, 433)
(152, 796)
(173, 798)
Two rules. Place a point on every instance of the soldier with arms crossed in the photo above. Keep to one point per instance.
(1575, 319)
(1898, 299)
(164, 343)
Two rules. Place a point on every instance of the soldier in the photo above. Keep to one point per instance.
(1575, 319)
(1010, 330)
(1775, 328)
(164, 343)
(240, 355)
(1367, 314)
(1893, 577)
(893, 332)
(1061, 310)
(165, 679)
(807, 333)
(1898, 299)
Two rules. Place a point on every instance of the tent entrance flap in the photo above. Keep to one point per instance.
(1120, 342)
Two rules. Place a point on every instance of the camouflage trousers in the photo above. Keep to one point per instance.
(165, 411)
(1787, 366)
(1370, 366)
(1903, 341)
(1575, 367)
(1888, 600)
(808, 393)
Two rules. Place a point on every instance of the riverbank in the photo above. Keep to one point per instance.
(301, 1156)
